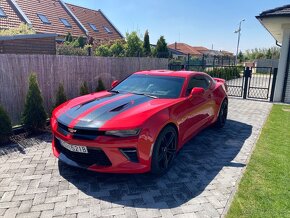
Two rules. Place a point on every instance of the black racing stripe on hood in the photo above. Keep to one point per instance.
(68, 116)
(97, 118)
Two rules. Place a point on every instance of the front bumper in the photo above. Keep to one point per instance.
(105, 154)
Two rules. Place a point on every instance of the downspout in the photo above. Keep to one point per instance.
(21, 13)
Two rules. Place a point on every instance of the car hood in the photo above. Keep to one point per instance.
(105, 110)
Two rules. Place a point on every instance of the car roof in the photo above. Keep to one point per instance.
(182, 73)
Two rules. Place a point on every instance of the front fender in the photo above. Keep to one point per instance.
(150, 131)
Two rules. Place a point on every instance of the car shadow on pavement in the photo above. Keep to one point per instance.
(195, 167)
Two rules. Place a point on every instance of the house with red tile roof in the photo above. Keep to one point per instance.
(96, 23)
(187, 49)
(58, 17)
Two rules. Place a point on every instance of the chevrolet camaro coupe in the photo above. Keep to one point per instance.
(140, 124)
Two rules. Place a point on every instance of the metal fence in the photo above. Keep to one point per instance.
(255, 82)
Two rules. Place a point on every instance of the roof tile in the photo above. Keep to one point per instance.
(53, 10)
(97, 18)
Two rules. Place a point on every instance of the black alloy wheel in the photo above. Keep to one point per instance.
(164, 151)
(223, 114)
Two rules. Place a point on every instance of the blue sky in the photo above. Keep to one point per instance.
(195, 22)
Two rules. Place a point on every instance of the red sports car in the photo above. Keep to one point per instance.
(140, 124)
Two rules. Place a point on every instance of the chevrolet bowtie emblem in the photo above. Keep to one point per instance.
(72, 130)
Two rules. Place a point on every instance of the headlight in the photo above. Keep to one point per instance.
(123, 133)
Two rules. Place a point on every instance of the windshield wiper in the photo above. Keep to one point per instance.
(150, 96)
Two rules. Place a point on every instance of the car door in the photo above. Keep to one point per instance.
(196, 109)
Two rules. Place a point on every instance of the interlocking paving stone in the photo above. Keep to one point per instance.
(200, 183)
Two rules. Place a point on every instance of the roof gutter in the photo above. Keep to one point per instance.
(74, 17)
(21, 13)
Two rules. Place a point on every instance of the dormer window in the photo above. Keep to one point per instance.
(93, 26)
(65, 22)
(2, 13)
(107, 30)
(43, 18)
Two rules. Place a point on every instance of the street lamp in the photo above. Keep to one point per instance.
(239, 37)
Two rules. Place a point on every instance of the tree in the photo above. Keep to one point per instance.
(241, 56)
(134, 45)
(34, 116)
(101, 86)
(84, 90)
(68, 37)
(103, 51)
(22, 29)
(146, 44)
(118, 49)
(161, 48)
(269, 54)
(5, 125)
(81, 42)
(60, 96)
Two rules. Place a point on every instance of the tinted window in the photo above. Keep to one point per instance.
(197, 81)
(43, 18)
(65, 22)
(2, 13)
(159, 86)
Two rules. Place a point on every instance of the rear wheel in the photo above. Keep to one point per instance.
(223, 114)
(164, 151)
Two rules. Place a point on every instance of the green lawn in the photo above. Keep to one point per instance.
(264, 190)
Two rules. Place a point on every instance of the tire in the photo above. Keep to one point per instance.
(164, 151)
(223, 114)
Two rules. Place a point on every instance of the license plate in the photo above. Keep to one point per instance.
(74, 148)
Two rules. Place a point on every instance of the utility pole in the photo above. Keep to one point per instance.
(239, 37)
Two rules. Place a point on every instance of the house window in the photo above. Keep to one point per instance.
(107, 29)
(2, 13)
(93, 26)
(43, 18)
(65, 22)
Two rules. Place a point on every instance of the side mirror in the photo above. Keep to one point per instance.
(114, 83)
(197, 91)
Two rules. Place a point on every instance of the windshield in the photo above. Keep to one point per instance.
(155, 86)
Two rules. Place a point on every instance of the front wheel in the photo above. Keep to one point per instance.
(164, 151)
(223, 114)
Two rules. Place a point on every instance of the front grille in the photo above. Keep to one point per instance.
(95, 156)
(80, 133)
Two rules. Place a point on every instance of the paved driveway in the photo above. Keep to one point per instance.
(200, 183)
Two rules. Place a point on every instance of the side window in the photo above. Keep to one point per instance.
(197, 81)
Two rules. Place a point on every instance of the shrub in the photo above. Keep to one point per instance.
(60, 96)
(226, 73)
(101, 86)
(118, 49)
(84, 90)
(134, 45)
(103, 50)
(22, 29)
(5, 125)
(69, 49)
(34, 116)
